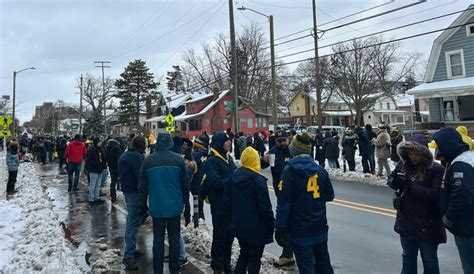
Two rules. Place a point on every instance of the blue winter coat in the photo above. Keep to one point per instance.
(282, 156)
(301, 208)
(164, 182)
(129, 165)
(246, 198)
(13, 161)
(365, 148)
(200, 157)
(458, 196)
(218, 173)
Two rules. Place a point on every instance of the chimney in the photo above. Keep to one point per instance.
(215, 92)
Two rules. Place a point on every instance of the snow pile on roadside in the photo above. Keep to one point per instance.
(104, 259)
(358, 175)
(200, 241)
(33, 239)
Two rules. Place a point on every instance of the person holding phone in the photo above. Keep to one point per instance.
(417, 179)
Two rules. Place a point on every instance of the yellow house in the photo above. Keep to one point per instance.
(303, 109)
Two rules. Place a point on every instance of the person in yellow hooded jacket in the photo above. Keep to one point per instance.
(465, 137)
(247, 199)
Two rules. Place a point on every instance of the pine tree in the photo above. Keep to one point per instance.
(136, 88)
(175, 79)
(94, 123)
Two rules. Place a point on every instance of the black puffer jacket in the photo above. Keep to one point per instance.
(113, 152)
(419, 216)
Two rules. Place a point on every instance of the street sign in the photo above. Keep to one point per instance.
(229, 105)
(169, 129)
(5, 121)
(169, 119)
(5, 133)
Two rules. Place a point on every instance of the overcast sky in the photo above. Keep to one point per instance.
(62, 38)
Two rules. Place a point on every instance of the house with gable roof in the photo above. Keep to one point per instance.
(448, 85)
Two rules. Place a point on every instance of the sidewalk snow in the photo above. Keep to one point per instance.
(358, 175)
(30, 234)
(200, 241)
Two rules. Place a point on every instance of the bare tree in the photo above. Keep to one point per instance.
(92, 93)
(364, 71)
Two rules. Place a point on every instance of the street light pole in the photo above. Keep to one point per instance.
(14, 97)
(272, 57)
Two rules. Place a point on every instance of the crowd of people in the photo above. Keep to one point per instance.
(156, 176)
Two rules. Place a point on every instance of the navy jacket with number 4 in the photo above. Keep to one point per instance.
(301, 209)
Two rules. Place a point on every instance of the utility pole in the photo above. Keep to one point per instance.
(234, 65)
(272, 54)
(317, 67)
(14, 103)
(80, 106)
(103, 65)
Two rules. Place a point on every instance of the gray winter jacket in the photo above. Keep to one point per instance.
(382, 145)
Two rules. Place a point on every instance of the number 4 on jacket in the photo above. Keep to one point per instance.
(313, 186)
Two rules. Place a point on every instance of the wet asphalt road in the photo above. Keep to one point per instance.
(91, 226)
(359, 241)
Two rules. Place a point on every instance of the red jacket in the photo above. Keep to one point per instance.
(75, 152)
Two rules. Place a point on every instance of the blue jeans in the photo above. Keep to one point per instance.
(182, 250)
(74, 170)
(466, 252)
(332, 163)
(372, 161)
(104, 175)
(313, 259)
(133, 223)
(173, 226)
(94, 186)
(429, 256)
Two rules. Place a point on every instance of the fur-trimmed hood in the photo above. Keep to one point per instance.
(403, 150)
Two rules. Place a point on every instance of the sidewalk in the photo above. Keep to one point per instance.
(97, 232)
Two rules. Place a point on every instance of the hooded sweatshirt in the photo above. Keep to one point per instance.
(458, 195)
(219, 167)
(301, 209)
(246, 198)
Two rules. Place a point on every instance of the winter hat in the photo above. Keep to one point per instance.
(419, 138)
(250, 159)
(281, 134)
(301, 144)
(178, 141)
(163, 141)
(77, 137)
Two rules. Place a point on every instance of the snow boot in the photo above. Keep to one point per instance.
(282, 262)
(130, 264)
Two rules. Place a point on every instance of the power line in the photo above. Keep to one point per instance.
(374, 45)
(370, 26)
(335, 20)
(193, 35)
(378, 32)
(355, 21)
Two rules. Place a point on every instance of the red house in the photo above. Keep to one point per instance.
(210, 114)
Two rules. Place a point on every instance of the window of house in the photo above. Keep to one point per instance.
(195, 125)
(370, 117)
(400, 119)
(380, 105)
(388, 105)
(206, 122)
(297, 107)
(455, 64)
(249, 123)
(470, 30)
(225, 121)
(448, 110)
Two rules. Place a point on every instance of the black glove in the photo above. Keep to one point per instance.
(281, 237)
(402, 181)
